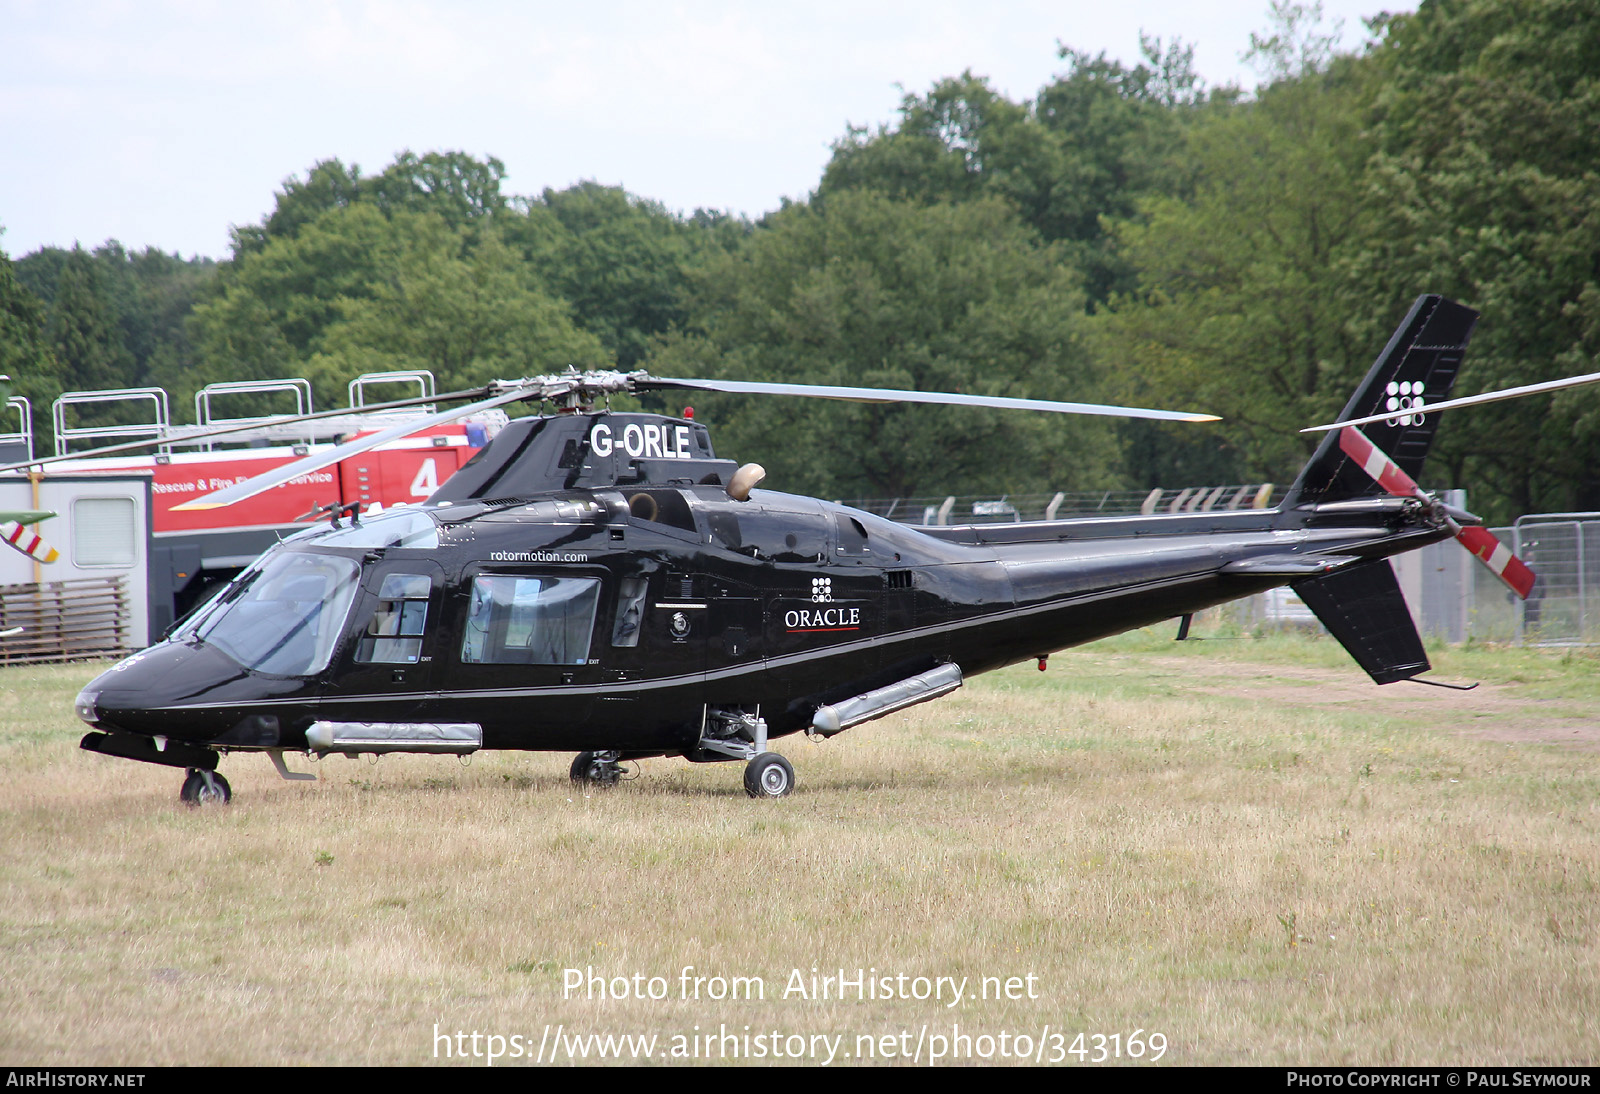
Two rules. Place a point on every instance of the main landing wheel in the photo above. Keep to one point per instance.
(205, 788)
(596, 768)
(769, 775)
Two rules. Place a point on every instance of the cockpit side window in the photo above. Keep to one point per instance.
(544, 620)
(394, 634)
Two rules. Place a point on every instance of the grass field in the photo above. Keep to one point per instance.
(1239, 845)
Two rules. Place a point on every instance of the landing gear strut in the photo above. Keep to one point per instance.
(205, 788)
(742, 735)
(597, 768)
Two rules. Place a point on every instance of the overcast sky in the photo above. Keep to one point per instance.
(162, 122)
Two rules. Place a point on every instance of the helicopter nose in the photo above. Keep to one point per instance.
(137, 694)
(86, 705)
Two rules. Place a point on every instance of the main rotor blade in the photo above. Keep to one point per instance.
(1468, 400)
(1483, 544)
(239, 491)
(895, 395)
(221, 431)
(26, 516)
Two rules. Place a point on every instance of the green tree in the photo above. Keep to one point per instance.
(328, 185)
(24, 352)
(270, 310)
(857, 288)
(147, 293)
(1095, 140)
(1486, 188)
(429, 262)
(1243, 294)
(165, 289)
(466, 316)
(82, 329)
(620, 262)
(453, 185)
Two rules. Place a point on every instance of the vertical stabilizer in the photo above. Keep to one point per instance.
(1419, 363)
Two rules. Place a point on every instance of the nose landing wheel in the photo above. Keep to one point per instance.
(205, 788)
(597, 768)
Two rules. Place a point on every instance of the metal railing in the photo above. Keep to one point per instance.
(1451, 596)
(153, 419)
(1010, 508)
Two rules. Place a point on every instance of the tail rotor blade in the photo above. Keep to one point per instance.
(1480, 541)
(1498, 557)
(1376, 463)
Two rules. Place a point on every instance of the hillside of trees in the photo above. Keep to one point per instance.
(1126, 235)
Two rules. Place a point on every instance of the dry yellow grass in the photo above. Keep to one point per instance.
(1235, 845)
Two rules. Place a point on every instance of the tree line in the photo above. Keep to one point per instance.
(1126, 235)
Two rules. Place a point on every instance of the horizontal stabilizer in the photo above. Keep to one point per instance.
(1363, 608)
(1290, 565)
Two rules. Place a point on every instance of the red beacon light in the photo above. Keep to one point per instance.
(688, 412)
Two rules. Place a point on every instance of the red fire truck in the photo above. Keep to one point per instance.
(189, 553)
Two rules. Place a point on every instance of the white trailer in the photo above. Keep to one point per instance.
(96, 597)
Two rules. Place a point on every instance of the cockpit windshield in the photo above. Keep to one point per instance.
(286, 617)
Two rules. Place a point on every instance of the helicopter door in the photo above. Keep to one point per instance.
(389, 649)
(534, 630)
(734, 632)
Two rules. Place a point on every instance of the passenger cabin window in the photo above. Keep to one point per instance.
(787, 537)
(530, 620)
(394, 634)
(630, 611)
(852, 536)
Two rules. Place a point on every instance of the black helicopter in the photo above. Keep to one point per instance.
(601, 583)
